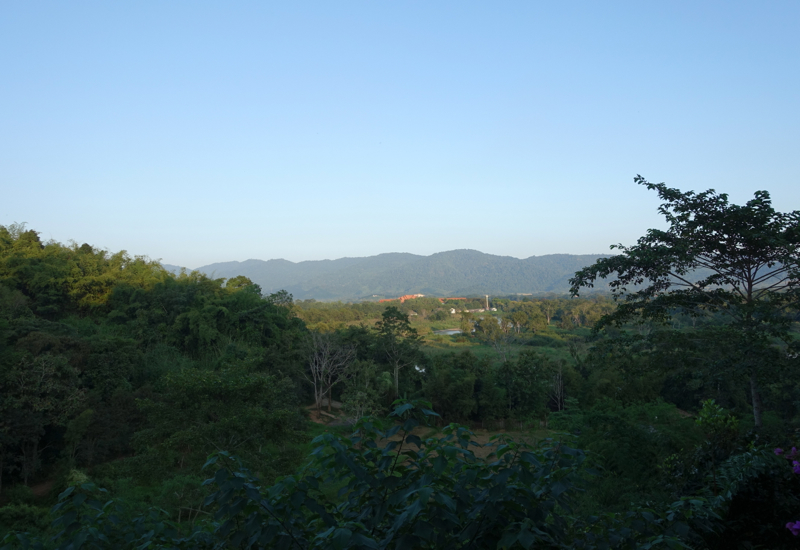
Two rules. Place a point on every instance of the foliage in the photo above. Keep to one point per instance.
(23, 518)
(758, 495)
(134, 375)
(397, 342)
(409, 493)
(364, 390)
(715, 420)
(529, 383)
(85, 333)
(328, 360)
(198, 412)
(748, 256)
(630, 444)
(495, 332)
(450, 385)
(741, 261)
(397, 491)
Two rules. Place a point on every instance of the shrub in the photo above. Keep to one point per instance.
(19, 494)
(22, 517)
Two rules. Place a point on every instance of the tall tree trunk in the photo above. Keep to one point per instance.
(330, 397)
(26, 464)
(91, 447)
(756, 397)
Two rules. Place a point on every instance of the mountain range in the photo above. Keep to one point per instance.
(453, 273)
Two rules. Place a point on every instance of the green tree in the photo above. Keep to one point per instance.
(398, 342)
(467, 321)
(520, 319)
(198, 412)
(436, 493)
(548, 307)
(76, 430)
(399, 491)
(364, 389)
(37, 393)
(529, 381)
(495, 332)
(241, 282)
(741, 262)
(528, 315)
(451, 388)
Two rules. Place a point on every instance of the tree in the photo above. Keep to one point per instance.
(364, 388)
(35, 393)
(450, 384)
(741, 262)
(199, 411)
(327, 361)
(436, 493)
(467, 321)
(520, 319)
(495, 332)
(241, 282)
(549, 307)
(398, 341)
(441, 492)
(531, 380)
(281, 298)
(529, 316)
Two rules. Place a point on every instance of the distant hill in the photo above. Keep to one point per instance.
(173, 268)
(457, 272)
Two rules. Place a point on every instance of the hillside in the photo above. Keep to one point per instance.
(457, 272)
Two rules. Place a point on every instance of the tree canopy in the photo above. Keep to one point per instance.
(740, 261)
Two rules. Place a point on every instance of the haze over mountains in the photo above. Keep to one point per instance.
(453, 273)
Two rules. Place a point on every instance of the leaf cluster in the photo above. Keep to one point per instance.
(741, 260)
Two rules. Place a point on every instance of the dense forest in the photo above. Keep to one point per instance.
(145, 409)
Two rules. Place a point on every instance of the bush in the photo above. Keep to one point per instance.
(19, 494)
(182, 496)
(547, 341)
(23, 517)
(629, 444)
(396, 493)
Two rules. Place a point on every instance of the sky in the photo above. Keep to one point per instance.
(199, 132)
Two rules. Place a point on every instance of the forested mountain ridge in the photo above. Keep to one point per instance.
(394, 274)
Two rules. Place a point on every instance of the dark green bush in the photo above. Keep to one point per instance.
(23, 517)
(397, 491)
(19, 494)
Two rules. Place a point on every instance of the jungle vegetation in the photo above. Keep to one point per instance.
(145, 409)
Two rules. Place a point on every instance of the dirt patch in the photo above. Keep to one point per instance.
(42, 489)
(334, 404)
(319, 417)
(335, 417)
(342, 421)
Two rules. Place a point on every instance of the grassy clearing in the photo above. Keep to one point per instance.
(553, 346)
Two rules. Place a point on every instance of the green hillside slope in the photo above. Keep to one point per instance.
(462, 272)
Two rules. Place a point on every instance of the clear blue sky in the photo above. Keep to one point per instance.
(198, 132)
